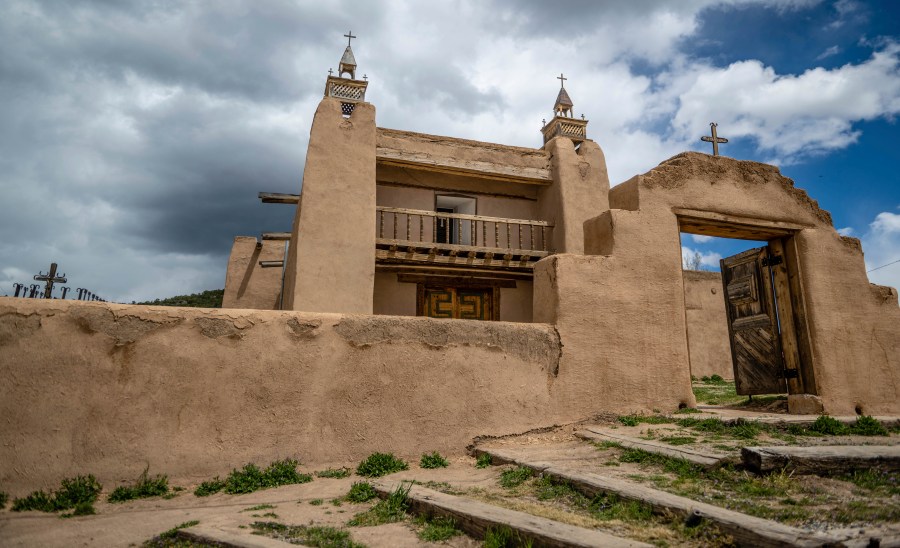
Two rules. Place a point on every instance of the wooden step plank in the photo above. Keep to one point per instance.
(823, 459)
(705, 460)
(746, 530)
(475, 518)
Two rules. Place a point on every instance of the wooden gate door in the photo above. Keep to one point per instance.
(753, 323)
(458, 303)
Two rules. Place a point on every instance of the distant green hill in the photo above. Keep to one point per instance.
(207, 299)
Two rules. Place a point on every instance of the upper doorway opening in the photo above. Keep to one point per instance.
(449, 230)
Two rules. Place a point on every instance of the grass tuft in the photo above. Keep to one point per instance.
(869, 426)
(72, 492)
(168, 538)
(389, 510)
(258, 507)
(336, 473)
(515, 477)
(634, 420)
(437, 529)
(144, 487)
(380, 464)
(361, 491)
(828, 426)
(680, 467)
(81, 509)
(484, 460)
(434, 460)
(4, 498)
(317, 536)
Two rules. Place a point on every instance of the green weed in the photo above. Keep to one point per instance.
(634, 420)
(687, 411)
(868, 426)
(498, 537)
(380, 464)
(361, 491)
(81, 509)
(318, 536)
(680, 467)
(316, 502)
(4, 498)
(434, 460)
(875, 480)
(337, 473)
(250, 478)
(72, 492)
(389, 510)
(483, 461)
(515, 477)
(144, 487)
(210, 487)
(437, 529)
(828, 426)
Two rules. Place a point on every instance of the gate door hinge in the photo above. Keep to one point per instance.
(792, 373)
(773, 260)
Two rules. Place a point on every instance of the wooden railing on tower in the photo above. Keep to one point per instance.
(416, 235)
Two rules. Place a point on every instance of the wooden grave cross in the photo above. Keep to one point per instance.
(715, 139)
(49, 279)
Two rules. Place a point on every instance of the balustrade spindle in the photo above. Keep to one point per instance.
(395, 226)
(448, 227)
(407, 227)
(434, 229)
(459, 231)
(519, 233)
(473, 234)
(531, 236)
(543, 239)
(381, 224)
(421, 228)
(508, 241)
(484, 233)
(496, 234)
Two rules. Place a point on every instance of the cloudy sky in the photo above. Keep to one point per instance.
(136, 135)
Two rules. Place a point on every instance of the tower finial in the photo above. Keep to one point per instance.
(563, 106)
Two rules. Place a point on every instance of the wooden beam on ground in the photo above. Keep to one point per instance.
(823, 459)
(470, 168)
(474, 518)
(746, 530)
(277, 198)
(276, 236)
(593, 433)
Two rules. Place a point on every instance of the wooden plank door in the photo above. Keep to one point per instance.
(753, 323)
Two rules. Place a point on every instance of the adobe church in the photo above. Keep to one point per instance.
(365, 335)
(409, 224)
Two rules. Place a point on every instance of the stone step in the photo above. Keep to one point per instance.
(746, 530)
(475, 518)
(705, 460)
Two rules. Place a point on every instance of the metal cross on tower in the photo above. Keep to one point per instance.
(562, 80)
(50, 278)
(349, 37)
(715, 139)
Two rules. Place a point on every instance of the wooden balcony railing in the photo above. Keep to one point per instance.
(415, 235)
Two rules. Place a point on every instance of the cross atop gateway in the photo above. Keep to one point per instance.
(715, 139)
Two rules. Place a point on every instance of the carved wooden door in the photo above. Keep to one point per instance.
(753, 323)
(458, 303)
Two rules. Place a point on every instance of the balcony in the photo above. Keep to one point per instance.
(459, 240)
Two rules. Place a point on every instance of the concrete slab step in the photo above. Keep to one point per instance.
(746, 530)
(475, 518)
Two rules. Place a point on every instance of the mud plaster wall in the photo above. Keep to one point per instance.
(110, 389)
(854, 325)
(248, 285)
(707, 327)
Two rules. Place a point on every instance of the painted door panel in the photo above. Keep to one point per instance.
(458, 303)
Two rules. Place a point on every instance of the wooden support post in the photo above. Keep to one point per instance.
(786, 318)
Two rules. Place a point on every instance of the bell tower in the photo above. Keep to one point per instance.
(564, 123)
(349, 90)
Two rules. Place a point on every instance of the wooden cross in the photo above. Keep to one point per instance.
(50, 278)
(562, 80)
(715, 139)
(349, 37)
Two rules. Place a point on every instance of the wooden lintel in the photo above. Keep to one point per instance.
(471, 168)
(452, 270)
(387, 256)
(278, 198)
(721, 225)
(276, 236)
(455, 280)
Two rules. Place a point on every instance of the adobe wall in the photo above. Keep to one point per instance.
(854, 326)
(707, 325)
(248, 285)
(192, 393)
